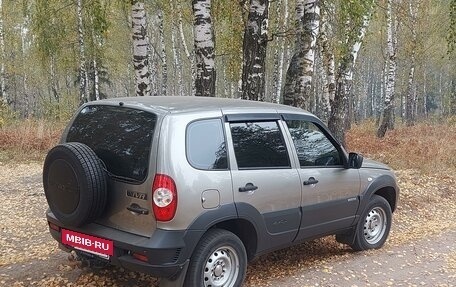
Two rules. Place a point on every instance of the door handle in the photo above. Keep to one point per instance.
(137, 209)
(310, 181)
(248, 187)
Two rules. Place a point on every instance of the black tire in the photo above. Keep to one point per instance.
(212, 261)
(74, 184)
(374, 225)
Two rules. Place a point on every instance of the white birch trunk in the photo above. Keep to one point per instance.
(390, 81)
(340, 103)
(96, 79)
(164, 61)
(328, 62)
(24, 49)
(411, 87)
(3, 96)
(281, 56)
(151, 56)
(83, 75)
(204, 48)
(177, 64)
(190, 56)
(254, 51)
(140, 48)
(298, 85)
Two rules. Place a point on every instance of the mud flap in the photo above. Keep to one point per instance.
(177, 281)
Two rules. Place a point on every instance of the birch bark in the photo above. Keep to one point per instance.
(328, 62)
(388, 110)
(344, 79)
(254, 51)
(83, 75)
(298, 83)
(140, 48)
(204, 48)
(161, 32)
(190, 56)
(410, 101)
(282, 56)
(3, 96)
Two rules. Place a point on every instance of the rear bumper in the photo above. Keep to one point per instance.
(168, 251)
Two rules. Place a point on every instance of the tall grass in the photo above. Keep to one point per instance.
(28, 139)
(425, 146)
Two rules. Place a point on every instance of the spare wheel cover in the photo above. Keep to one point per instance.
(74, 183)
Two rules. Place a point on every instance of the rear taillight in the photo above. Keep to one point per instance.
(164, 197)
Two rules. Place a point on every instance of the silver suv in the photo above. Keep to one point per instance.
(190, 189)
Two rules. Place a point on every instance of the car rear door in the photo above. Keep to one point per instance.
(266, 188)
(330, 192)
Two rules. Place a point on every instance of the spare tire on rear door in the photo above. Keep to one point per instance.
(74, 183)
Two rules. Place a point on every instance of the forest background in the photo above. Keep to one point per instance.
(390, 61)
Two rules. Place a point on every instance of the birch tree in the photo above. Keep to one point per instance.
(356, 17)
(254, 51)
(388, 110)
(298, 82)
(164, 62)
(204, 48)
(140, 48)
(278, 71)
(410, 101)
(189, 54)
(3, 96)
(83, 75)
(328, 58)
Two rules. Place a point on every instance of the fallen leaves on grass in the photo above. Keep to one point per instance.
(427, 207)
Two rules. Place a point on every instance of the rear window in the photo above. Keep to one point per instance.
(121, 137)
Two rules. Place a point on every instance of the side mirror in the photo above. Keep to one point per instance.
(355, 160)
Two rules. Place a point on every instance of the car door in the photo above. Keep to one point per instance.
(266, 188)
(330, 192)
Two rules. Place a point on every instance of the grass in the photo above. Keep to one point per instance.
(428, 147)
(425, 146)
(28, 140)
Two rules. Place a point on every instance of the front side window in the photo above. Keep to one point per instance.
(312, 145)
(259, 145)
(206, 148)
(121, 137)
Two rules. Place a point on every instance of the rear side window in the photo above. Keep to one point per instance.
(206, 148)
(259, 145)
(121, 137)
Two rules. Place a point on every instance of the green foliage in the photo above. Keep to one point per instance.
(49, 26)
(350, 15)
(229, 30)
(61, 110)
(7, 115)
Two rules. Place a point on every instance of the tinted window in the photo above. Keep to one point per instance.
(206, 147)
(312, 145)
(259, 145)
(121, 137)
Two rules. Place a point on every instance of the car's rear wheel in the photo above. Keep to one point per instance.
(374, 226)
(74, 183)
(219, 260)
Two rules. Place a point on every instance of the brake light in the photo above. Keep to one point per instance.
(164, 197)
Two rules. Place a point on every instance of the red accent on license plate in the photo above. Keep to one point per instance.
(86, 242)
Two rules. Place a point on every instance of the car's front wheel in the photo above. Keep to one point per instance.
(374, 226)
(219, 260)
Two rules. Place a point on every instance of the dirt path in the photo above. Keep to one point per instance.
(421, 250)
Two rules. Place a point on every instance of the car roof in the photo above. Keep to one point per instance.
(182, 104)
